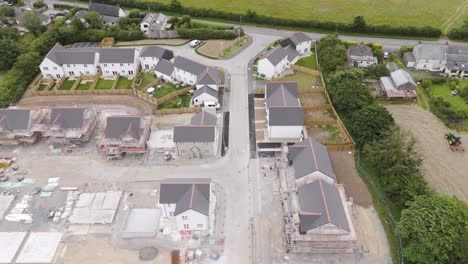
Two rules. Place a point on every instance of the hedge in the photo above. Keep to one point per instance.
(203, 34)
(252, 17)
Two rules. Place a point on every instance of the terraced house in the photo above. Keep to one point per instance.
(119, 62)
(20, 125)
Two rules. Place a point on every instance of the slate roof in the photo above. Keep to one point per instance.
(392, 66)
(118, 126)
(61, 55)
(81, 13)
(276, 55)
(201, 129)
(403, 80)
(155, 20)
(189, 65)
(105, 10)
(116, 55)
(186, 195)
(292, 53)
(15, 119)
(360, 50)
(209, 76)
(164, 67)
(109, 19)
(207, 90)
(320, 204)
(430, 52)
(295, 39)
(67, 117)
(387, 83)
(157, 52)
(309, 156)
(457, 58)
(283, 105)
(408, 57)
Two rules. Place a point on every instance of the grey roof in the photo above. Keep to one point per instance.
(189, 65)
(276, 55)
(403, 80)
(164, 67)
(209, 76)
(189, 195)
(283, 105)
(15, 119)
(286, 116)
(205, 89)
(157, 52)
(309, 156)
(360, 50)
(392, 66)
(116, 55)
(430, 52)
(81, 13)
(61, 55)
(408, 57)
(320, 204)
(155, 20)
(118, 126)
(105, 10)
(295, 39)
(201, 129)
(457, 58)
(292, 53)
(67, 117)
(387, 83)
(109, 19)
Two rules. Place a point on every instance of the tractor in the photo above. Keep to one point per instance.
(454, 141)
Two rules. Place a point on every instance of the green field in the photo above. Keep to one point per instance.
(393, 12)
(444, 92)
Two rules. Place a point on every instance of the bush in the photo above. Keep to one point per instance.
(203, 34)
(404, 49)
(426, 83)
(439, 80)
(39, 4)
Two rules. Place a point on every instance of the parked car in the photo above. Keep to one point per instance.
(194, 43)
(385, 55)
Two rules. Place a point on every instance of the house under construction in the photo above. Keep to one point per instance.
(71, 124)
(20, 125)
(317, 216)
(125, 134)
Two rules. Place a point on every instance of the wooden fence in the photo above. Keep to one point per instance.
(315, 122)
(305, 70)
(168, 97)
(145, 97)
(304, 90)
(178, 111)
(82, 92)
(317, 107)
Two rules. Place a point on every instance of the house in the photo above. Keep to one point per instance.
(409, 60)
(69, 62)
(430, 57)
(71, 124)
(273, 63)
(299, 41)
(188, 201)
(164, 69)
(117, 61)
(392, 66)
(310, 162)
(187, 71)
(210, 77)
(109, 13)
(284, 113)
(204, 94)
(152, 23)
(125, 134)
(18, 125)
(199, 139)
(399, 84)
(361, 56)
(151, 55)
(457, 62)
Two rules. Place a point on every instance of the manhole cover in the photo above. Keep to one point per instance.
(148, 253)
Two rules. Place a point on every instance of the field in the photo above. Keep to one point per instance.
(444, 170)
(441, 14)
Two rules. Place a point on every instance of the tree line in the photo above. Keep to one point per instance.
(357, 26)
(433, 227)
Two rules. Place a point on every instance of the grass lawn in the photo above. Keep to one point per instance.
(146, 78)
(332, 131)
(178, 102)
(42, 87)
(396, 12)
(423, 98)
(124, 83)
(302, 79)
(308, 62)
(67, 85)
(84, 85)
(167, 88)
(443, 90)
(104, 84)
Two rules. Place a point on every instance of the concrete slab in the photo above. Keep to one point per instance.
(9, 245)
(5, 203)
(111, 200)
(141, 222)
(98, 200)
(85, 200)
(40, 247)
(96, 208)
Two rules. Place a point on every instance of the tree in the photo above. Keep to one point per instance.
(32, 23)
(27, 62)
(369, 123)
(9, 33)
(375, 71)
(77, 24)
(6, 11)
(93, 19)
(359, 24)
(332, 58)
(175, 6)
(347, 92)
(134, 13)
(9, 50)
(39, 4)
(434, 230)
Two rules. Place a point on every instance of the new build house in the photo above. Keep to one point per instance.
(150, 56)
(71, 124)
(199, 139)
(284, 113)
(188, 202)
(164, 69)
(119, 62)
(152, 23)
(276, 60)
(310, 162)
(125, 134)
(361, 56)
(18, 125)
(187, 71)
(299, 41)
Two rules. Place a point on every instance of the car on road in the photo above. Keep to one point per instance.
(194, 43)
(385, 55)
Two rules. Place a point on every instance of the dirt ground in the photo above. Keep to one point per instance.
(174, 42)
(446, 171)
(215, 47)
(323, 136)
(169, 121)
(317, 115)
(346, 174)
(312, 99)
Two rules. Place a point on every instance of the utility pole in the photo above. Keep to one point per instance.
(240, 27)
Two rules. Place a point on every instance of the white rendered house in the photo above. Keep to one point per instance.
(116, 61)
(150, 56)
(299, 41)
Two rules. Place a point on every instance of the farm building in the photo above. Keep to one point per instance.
(71, 124)
(399, 84)
(125, 134)
(19, 125)
(430, 57)
(361, 56)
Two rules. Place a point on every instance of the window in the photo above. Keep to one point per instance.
(130, 72)
(105, 65)
(55, 68)
(86, 65)
(182, 151)
(200, 225)
(68, 65)
(186, 226)
(87, 72)
(184, 217)
(112, 64)
(46, 68)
